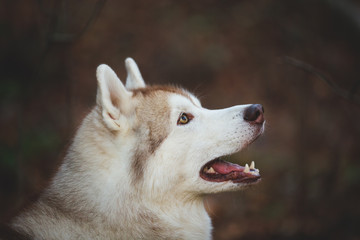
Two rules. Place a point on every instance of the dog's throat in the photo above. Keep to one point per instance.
(220, 171)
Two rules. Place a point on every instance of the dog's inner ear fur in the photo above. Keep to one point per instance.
(134, 79)
(112, 97)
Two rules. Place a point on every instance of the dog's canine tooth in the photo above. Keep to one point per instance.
(210, 170)
(252, 166)
(247, 169)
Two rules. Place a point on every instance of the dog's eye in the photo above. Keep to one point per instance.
(184, 118)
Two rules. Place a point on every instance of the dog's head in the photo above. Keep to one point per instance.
(168, 142)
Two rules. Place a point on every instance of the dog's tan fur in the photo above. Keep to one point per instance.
(156, 121)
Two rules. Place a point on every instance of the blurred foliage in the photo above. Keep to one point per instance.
(227, 52)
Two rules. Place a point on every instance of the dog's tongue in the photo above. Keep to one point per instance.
(223, 167)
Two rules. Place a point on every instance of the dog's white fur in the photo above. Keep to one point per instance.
(132, 172)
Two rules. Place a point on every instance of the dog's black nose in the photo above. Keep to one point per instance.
(254, 113)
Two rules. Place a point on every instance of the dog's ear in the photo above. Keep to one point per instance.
(134, 79)
(112, 97)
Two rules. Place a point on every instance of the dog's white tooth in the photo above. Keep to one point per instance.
(252, 166)
(247, 169)
(211, 170)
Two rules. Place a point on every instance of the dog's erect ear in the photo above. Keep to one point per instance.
(112, 97)
(134, 79)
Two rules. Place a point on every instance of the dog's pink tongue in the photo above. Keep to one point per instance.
(226, 167)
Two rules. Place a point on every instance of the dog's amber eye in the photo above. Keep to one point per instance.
(184, 118)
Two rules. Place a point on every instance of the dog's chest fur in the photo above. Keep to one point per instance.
(47, 222)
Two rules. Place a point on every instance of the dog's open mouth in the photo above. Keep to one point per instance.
(220, 171)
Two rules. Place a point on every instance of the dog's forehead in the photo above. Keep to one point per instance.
(178, 101)
(160, 93)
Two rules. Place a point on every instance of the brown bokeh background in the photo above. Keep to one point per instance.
(299, 58)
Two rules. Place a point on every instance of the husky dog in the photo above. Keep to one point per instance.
(141, 163)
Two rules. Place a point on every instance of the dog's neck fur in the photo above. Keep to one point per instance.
(169, 217)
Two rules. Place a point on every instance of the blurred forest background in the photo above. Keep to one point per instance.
(299, 58)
